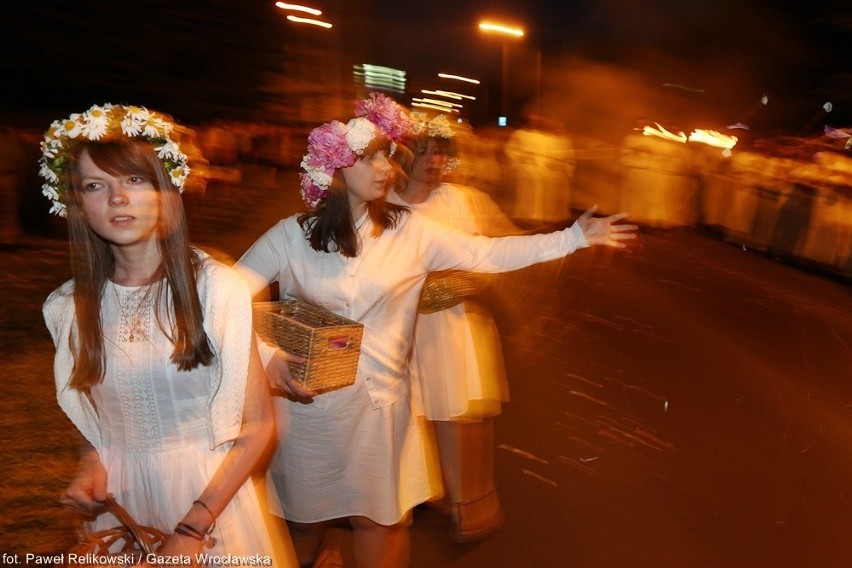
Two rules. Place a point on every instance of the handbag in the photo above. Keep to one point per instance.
(129, 539)
(447, 288)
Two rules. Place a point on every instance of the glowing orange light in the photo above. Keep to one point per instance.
(713, 138)
(661, 132)
(501, 29)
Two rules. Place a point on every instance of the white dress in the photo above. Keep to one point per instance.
(358, 450)
(542, 165)
(456, 362)
(162, 433)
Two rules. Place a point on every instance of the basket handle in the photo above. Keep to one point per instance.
(125, 519)
(341, 342)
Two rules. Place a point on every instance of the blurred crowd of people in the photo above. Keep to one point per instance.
(788, 197)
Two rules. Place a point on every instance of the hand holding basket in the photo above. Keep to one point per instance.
(127, 539)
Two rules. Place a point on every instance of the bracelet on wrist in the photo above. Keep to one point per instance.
(186, 530)
(204, 506)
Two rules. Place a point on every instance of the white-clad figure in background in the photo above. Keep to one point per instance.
(457, 374)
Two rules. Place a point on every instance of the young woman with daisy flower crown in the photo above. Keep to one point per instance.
(156, 364)
(357, 453)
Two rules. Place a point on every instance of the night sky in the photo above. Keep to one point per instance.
(201, 59)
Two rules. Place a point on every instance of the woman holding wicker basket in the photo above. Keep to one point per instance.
(357, 453)
(155, 364)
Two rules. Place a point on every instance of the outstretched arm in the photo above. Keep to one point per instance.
(605, 230)
(442, 249)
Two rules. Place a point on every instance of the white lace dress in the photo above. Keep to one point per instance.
(162, 433)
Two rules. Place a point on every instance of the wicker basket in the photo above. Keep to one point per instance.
(120, 543)
(445, 289)
(330, 343)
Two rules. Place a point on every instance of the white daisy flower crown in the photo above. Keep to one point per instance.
(104, 123)
(425, 126)
(437, 126)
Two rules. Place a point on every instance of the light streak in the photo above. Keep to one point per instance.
(309, 21)
(437, 102)
(434, 107)
(298, 8)
(661, 132)
(458, 78)
(448, 94)
(501, 29)
(713, 138)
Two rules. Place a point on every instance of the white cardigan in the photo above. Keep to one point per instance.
(226, 304)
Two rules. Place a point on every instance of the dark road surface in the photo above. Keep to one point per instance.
(687, 405)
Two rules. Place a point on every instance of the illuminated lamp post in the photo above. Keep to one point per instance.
(507, 32)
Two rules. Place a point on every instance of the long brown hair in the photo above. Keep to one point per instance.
(330, 225)
(92, 264)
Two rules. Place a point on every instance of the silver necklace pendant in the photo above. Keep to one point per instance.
(133, 313)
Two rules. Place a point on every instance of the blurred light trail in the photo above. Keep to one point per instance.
(683, 87)
(501, 29)
(699, 135)
(713, 138)
(309, 21)
(434, 107)
(298, 8)
(448, 94)
(661, 132)
(458, 78)
(378, 76)
(444, 104)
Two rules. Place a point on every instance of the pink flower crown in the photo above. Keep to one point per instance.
(335, 145)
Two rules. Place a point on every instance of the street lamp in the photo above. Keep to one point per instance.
(506, 32)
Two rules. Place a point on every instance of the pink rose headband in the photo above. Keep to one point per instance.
(335, 145)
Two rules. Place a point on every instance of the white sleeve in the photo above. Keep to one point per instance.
(228, 324)
(443, 249)
(261, 265)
